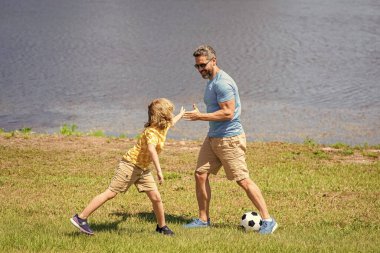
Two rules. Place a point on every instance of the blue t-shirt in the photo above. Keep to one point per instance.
(221, 89)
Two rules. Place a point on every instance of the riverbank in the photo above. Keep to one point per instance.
(338, 152)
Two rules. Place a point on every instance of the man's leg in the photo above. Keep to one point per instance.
(254, 194)
(203, 191)
(269, 225)
(207, 163)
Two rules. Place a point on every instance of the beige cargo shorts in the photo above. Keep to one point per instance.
(228, 152)
(127, 174)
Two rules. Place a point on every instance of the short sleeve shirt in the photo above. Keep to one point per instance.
(139, 154)
(221, 89)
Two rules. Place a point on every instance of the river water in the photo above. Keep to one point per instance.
(305, 69)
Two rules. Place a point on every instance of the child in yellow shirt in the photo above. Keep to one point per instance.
(132, 169)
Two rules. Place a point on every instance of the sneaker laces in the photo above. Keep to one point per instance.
(265, 224)
(199, 222)
(82, 221)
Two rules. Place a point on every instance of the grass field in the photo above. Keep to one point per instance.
(325, 199)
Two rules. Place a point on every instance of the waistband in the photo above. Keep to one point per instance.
(227, 138)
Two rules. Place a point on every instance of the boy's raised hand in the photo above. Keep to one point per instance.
(179, 115)
(182, 111)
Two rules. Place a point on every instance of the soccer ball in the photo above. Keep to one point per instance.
(251, 221)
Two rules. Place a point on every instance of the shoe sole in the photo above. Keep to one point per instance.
(196, 227)
(274, 228)
(77, 226)
(166, 234)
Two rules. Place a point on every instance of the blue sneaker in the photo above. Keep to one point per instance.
(81, 224)
(268, 227)
(197, 223)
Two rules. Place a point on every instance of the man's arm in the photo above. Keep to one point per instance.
(225, 113)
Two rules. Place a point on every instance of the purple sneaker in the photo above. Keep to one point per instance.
(81, 224)
(165, 230)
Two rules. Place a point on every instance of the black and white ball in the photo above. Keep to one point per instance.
(251, 221)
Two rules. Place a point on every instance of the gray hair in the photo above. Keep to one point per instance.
(205, 50)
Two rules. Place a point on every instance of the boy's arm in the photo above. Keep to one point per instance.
(179, 115)
(156, 162)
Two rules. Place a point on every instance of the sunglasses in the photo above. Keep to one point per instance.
(202, 65)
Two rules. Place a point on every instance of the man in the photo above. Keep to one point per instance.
(225, 144)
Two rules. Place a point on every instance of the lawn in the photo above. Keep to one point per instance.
(324, 198)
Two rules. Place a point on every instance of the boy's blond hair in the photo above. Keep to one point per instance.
(160, 113)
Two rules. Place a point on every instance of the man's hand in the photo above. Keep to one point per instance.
(192, 115)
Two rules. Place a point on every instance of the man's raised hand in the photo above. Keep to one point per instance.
(192, 115)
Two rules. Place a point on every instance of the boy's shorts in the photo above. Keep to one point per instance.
(127, 174)
(228, 152)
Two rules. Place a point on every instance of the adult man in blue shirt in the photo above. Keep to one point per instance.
(225, 144)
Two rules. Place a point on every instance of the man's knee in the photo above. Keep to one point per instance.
(200, 177)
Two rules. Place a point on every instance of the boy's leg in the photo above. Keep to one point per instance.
(121, 181)
(80, 221)
(96, 202)
(158, 207)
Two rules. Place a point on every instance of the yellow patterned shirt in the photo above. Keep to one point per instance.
(139, 154)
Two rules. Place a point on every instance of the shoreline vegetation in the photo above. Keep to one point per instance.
(72, 130)
(326, 198)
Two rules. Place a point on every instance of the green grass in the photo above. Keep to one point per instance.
(97, 133)
(69, 129)
(323, 201)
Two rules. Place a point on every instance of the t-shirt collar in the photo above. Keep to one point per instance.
(216, 76)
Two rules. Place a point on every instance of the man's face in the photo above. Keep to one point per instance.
(204, 66)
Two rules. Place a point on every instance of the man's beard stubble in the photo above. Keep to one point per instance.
(205, 74)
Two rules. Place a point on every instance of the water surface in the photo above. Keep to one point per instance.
(305, 69)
